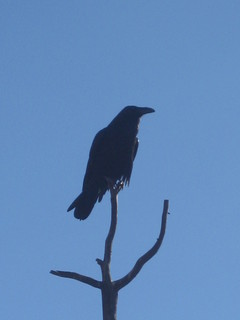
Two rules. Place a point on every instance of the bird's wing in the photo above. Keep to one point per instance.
(96, 154)
(135, 148)
(98, 143)
(127, 176)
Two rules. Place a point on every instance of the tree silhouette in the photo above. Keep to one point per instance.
(109, 288)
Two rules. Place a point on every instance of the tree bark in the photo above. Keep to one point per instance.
(109, 302)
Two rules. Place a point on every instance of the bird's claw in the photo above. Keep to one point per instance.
(116, 186)
(119, 186)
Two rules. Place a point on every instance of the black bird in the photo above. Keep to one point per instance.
(111, 155)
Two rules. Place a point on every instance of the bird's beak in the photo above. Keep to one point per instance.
(145, 110)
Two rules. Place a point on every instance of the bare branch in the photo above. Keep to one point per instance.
(79, 277)
(109, 294)
(119, 284)
(112, 229)
(109, 288)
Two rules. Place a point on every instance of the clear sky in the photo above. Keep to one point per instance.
(67, 68)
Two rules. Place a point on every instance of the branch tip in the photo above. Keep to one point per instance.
(99, 261)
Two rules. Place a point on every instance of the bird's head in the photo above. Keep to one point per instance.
(136, 111)
(130, 116)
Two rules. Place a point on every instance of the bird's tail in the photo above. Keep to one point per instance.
(83, 204)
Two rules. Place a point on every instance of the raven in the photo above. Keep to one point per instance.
(111, 155)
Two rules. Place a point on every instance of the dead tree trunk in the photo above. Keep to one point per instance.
(109, 288)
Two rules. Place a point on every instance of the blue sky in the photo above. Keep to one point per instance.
(67, 68)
